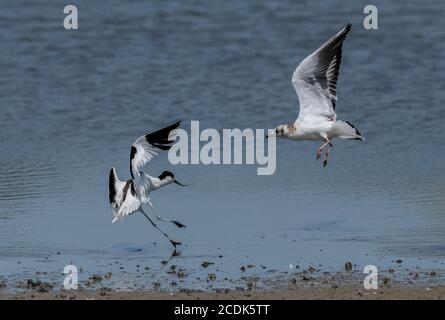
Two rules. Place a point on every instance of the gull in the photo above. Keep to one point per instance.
(315, 81)
(131, 196)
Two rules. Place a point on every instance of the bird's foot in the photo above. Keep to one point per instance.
(175, 253)
(175, 243)
(325, 162)
(318, 155)
(178, 224)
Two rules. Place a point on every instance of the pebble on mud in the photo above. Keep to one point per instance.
(30, 283)
(45, 287)
(95, 278)
(306, 278)
(181, 274)
(311, 269)
(104, 291)
(348, 266)
(172, 269)
(205, 264)
(38, 285)
(212, 277)
(251, 285)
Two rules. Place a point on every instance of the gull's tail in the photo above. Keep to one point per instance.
(346, 130)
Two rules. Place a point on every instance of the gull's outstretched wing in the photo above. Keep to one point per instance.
(315, 79)
(145, 148)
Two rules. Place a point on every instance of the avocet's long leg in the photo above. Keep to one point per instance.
(173, 242)
(176, 223)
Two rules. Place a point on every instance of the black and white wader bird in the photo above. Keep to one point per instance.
(315, 81)
(131, 196)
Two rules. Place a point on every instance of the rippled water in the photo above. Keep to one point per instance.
(72, 102)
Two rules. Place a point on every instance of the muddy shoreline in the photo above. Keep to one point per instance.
(306, 284)
(429, 292)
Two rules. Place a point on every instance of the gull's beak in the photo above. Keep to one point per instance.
(271, 134)
(182, 185)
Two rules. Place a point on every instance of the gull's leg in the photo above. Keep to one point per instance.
(176, 223)
(322, 147)
(173, 242)
(325, 160)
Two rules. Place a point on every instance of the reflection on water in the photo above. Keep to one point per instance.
(73, 102)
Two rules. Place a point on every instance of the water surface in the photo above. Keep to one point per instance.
(72, 102)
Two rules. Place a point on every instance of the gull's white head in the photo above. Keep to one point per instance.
(280, 131)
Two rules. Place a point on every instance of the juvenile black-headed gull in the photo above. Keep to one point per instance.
(315, 81)
(131, 196)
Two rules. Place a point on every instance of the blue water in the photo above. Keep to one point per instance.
(72, 102)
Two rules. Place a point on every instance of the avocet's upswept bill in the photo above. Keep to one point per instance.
(315, 81)
(131, 196)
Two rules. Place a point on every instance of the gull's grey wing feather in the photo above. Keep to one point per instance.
(315, 79)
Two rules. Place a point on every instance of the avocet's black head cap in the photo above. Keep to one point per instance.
(166, 174)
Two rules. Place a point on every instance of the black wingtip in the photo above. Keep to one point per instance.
(160, 138)
(356, 130)
(348, 27)
(176, 124)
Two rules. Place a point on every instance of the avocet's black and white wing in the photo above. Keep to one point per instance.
(145, 148)
(130, 202)
(315, 79)
(122, 197)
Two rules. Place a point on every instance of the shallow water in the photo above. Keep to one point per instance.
(71, 104)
